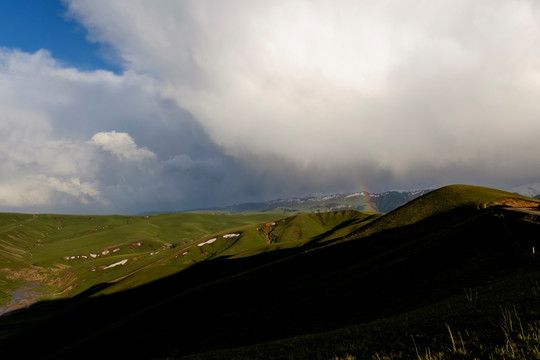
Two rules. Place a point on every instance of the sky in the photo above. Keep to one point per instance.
(133, 106)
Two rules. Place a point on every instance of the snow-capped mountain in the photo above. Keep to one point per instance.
(383, 202)
(532, 190)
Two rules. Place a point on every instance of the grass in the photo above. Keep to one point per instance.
(443, 201)
(443, 277)
(322, 226)
(40, 247)
(60, 250)
(521, 342)
(455, 328)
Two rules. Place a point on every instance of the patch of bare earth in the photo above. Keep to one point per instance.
(31, 273)
(518, 203)
(266, 230)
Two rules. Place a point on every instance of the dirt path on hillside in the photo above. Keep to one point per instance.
(525, 210)
(22, 297)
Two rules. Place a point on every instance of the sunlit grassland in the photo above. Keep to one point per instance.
(444, 200)
(68, 253)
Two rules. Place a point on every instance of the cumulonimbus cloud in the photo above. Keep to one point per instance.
(409, 85)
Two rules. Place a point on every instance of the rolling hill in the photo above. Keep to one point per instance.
(453, 264)
(68, 254)
(62, 255)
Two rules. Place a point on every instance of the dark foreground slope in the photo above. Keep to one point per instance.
(397, 277)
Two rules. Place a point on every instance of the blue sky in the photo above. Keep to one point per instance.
(30, 25)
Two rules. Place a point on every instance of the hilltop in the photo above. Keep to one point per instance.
(460, 199)
(350, 284)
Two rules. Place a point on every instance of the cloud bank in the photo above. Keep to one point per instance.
(232, 101)
(79, 141)
(441, 83)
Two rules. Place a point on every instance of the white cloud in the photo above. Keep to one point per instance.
(74, 187)
(67, 143)
(47, 115)
(23, 192)
(122, 145)
(404, 82)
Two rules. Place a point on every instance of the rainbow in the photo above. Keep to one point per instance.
(370, 205)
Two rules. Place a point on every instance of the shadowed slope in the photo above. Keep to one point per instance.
(467, 198)
(405, 266)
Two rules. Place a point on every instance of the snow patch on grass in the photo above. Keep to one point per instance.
(230, 235)
(207, 242)
(123, 262)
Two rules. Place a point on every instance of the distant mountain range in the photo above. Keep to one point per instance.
(531, 190)
(380, 202)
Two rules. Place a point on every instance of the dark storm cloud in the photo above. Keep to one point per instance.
(404, 84)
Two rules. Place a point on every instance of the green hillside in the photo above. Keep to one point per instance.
(451, 275)
(63, 255)
(467, 198)
(68, 254)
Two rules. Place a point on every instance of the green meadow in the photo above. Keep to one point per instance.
(450, 275)
(67, 254)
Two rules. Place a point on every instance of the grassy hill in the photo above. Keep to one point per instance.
(449, 199)
(64, 255)
(68, 254)
(450, 275)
